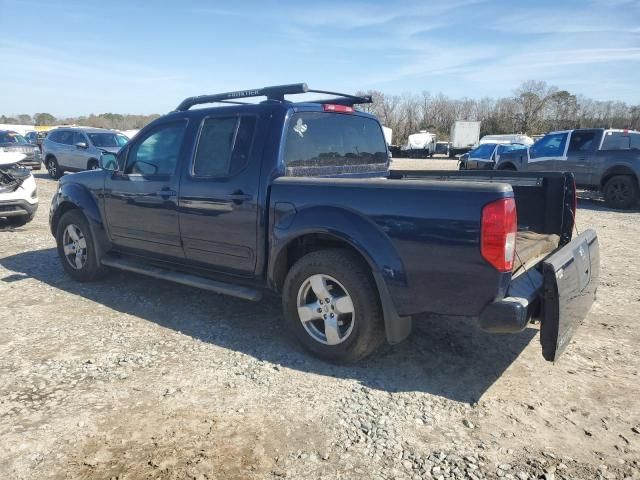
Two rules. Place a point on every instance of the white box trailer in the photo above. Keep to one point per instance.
(464, 135)
(421, 144)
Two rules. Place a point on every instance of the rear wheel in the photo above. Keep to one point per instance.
(53, 168)
(76, 247)
(331, 305)
(620, 192)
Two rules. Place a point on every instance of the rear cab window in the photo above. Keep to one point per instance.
(323, 144)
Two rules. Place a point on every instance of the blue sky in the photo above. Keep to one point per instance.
(71, 57)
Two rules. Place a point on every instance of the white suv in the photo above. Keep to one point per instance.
(18, 193)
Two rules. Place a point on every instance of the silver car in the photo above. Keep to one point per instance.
(74, 149)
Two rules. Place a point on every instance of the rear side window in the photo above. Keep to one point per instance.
(65, 137)
(329, 143)
(621, 141)
(224, 146)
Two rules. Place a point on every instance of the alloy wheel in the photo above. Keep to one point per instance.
(325, 309)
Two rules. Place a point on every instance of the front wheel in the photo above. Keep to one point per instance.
(76, 247)
(620, 192)
(332, 306)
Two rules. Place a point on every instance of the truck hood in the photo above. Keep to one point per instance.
(12, 176)
(10, 158)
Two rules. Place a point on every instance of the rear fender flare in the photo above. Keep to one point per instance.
(361, 234)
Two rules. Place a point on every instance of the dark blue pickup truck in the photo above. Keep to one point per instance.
(296, 198)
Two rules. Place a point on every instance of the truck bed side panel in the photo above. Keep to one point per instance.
(432, 227)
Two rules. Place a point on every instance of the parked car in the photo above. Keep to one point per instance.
(18, 192)
(288, 197)
(607, 160)
(36, 138)
(486, 155)
(75, 149)
(442, 148)
(13, 142)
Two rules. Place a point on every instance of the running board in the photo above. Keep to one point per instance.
(130, 265)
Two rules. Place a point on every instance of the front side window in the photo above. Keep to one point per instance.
(157, 153)
(581, 141)
(107, 140)
(78, 138)
(551, 145)
(329, 143)
(483, 152)
(223, 146)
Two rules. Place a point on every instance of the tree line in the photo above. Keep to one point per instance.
(534, 108)
(104, 120)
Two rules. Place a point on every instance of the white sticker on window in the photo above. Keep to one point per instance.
(300, 127)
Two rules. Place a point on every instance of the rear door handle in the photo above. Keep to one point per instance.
(239, 197)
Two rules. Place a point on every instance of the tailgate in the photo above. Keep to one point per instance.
(570, 279)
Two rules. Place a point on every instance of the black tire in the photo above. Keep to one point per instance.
(620, 192)
(53, 167)
(363, 329)
(20, 221)
(89, 268)
(93, 164)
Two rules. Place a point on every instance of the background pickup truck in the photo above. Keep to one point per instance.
(601, 159)
(293, 198)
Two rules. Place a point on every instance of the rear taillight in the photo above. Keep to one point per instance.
(331, 107)
(498, 233)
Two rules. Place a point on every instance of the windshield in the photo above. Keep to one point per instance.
(331, 143)
(107, 140)
(12, 137)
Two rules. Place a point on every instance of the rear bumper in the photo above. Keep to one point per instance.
(560, 292)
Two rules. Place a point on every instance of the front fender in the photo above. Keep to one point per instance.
(74, 195)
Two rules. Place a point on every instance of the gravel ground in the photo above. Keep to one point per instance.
(132, 378)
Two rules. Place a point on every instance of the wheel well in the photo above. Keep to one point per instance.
(90, 161)
(49, 155)
(60, 211)
(303, 245)
(617, 170)
(506, 166)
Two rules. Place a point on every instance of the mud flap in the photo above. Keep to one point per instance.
(570, 281)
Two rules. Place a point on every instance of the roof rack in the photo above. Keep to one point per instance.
(276, 92)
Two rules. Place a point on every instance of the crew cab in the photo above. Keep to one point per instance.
(296, 198)
(607, 160)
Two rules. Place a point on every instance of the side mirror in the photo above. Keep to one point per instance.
(108, 161)
(81, 145)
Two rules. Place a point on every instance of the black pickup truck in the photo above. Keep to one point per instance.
(607, 160)
(296, 198)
